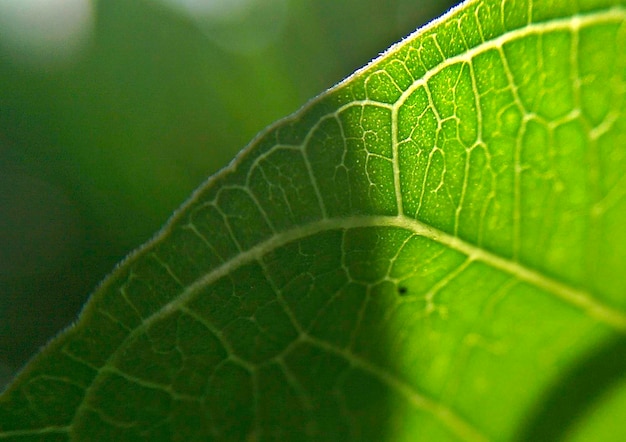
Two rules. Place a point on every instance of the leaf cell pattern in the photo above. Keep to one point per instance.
(442, 229)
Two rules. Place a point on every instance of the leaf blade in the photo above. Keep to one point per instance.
(291, 257)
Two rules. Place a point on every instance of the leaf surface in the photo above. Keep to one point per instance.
(432, 249)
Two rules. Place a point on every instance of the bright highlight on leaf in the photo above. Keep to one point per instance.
(432, 250)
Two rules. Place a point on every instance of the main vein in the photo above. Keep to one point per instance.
(571, 295)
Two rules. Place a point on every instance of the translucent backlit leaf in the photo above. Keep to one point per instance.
(432, 250)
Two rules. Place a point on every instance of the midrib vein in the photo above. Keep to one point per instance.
(578, 298)
(567, 293)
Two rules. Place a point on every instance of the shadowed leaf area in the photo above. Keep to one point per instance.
(431, 250)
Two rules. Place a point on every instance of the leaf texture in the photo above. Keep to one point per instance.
(428, 251)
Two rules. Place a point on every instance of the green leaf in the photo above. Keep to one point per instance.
(433, 249)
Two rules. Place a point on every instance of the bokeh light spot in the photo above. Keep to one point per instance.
(240, 26)
(45, 33)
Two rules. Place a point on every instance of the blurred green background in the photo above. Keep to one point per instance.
(112, 112)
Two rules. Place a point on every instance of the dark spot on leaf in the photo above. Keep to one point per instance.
(402, 290)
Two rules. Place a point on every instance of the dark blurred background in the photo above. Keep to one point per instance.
(112, 112)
